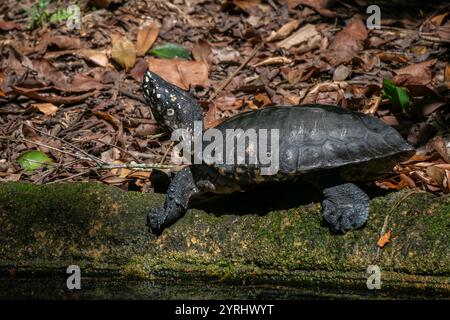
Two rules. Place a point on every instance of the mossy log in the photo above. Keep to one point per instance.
(102, 229)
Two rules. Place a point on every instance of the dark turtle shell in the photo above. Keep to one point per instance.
(316, 137)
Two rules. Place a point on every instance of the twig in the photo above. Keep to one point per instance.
(386, 219)
(120, 148)
(56, 149)
(141, 166)
(94, 158)
(131, 95)
(71, 177)
(233, 74)
(433, 39)
(167, 152)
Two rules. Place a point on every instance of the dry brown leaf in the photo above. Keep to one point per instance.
(49, 72)
(146, 36)
(384, 239)
(108, 117)
(317, 4)
(120, 172)
(439, 145)
(350, 38)
(307, 37)
(139, 69)
(437, 20)
(447, 73)
(62, 42)
(421, 72)
(341, 73)
(182, 73)
(31, 93)
(46, 108)
(391, 184)
(284, 31)
(98, 57)
(123, 51)
(262, 100)
(140, 174)
(202, 51)
(9, 25)
(272, 61)
(437, 175)
(246, 5)
(82, 83)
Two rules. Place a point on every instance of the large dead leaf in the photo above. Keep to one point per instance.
(98, 57)
(83, 83)
(146, 36)
(123, 51)
(139, 69)
(49, 72)
(45, 108)
(350, 38)
(419, 73)
(284, 31)
(305, 39)
(182, 73)
(62, 42)
(202, 51)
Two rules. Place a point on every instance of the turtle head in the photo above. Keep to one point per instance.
(172, 107)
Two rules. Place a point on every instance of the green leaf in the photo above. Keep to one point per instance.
(397, 95)
(34, 159)
(170, 51)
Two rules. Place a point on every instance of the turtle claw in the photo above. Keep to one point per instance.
(345, 207)
(155, 220)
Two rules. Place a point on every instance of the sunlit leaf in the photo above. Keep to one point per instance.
(170, 51)
(397, 95)
(34, 159)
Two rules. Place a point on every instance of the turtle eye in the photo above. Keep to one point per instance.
(170, 112)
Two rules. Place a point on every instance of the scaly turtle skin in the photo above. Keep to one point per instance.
(327, 146)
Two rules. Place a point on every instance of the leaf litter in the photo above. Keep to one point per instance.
(75, 94)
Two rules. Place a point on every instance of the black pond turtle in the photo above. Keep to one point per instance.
(328, 146)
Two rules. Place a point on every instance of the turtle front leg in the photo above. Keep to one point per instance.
(345, 207)
(181, 189)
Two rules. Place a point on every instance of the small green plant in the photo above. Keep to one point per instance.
(40, 14)
(398, 96)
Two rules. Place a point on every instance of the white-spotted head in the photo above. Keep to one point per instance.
(172, 107)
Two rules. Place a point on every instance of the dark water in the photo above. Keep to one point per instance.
(104, 288)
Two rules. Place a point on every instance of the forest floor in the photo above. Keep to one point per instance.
(70, 88)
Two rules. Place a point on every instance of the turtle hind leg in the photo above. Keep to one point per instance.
(345, 207)
(181, 189)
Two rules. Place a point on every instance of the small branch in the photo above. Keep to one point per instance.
(56, 149)
(71, 177)
(94, 158)
(233, 74)
(141, 166)
(132, 96)
(386, 219)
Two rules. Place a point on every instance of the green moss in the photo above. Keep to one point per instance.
(102, 229)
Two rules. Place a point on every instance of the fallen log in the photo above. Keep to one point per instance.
(44, 229)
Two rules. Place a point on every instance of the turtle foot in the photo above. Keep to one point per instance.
(345, 207)
(155, 220)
